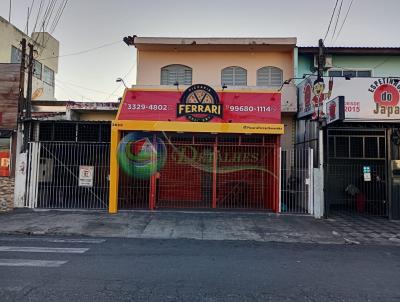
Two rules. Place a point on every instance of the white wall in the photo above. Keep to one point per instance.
(12, 36)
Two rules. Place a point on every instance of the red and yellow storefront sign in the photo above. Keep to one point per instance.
(201, 106)
(198, 109)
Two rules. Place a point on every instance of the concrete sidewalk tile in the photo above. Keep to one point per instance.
(201, 225)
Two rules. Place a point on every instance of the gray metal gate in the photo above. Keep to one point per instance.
(297, 194)
(68, 175)
(356, 172)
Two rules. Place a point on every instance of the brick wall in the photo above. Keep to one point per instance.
(6, 194)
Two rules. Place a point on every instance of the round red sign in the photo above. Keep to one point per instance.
(386, 95)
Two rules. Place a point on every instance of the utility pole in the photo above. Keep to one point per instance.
(27, 103)
(21, 105)
(321, 58)
(29, 88)
(9, 14)
(321, 65)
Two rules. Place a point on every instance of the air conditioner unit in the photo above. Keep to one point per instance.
(328, 61)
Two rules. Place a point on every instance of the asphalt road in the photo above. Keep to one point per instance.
(104, 269)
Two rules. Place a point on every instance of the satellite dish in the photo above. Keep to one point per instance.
(37, 93)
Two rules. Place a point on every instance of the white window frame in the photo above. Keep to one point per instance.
(234, 76)
(44, 78)
(269, 66)
(185, 67)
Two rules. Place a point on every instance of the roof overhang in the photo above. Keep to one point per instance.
(214, 44)
(353, 50)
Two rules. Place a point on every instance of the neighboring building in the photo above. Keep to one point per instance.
(9, 96)
(46, 57)
(360, 152)
(74, 111)
(65, 135)
(14, 133)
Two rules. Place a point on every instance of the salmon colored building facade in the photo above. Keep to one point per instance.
(203, 126)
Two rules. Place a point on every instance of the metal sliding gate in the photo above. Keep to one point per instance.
(297, 181)
(68, 175)
(356, 173)
(201, 172)
(207, 172)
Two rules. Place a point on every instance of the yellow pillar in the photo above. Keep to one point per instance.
(114, 171)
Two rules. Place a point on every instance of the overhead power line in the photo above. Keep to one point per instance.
(330, 22)
(63, 4)
(69, 90)
(58, 16)
(38, 15)
(83, 87)
(123, 78)
(344, 21)
(83, 51)
(337, 20)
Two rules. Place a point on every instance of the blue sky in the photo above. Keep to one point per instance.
(87, 24)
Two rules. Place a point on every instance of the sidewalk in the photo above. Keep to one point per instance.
(170, 225)
(262, 227)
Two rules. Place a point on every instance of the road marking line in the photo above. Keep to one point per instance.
(39, 249)
(32, 263)
(54, 240)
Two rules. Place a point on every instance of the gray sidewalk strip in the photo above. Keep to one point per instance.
(39, 249)
(51, 240)
(262, 227)
(31, 263)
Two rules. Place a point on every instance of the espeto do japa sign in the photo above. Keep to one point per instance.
(366, 99)
(201, 103)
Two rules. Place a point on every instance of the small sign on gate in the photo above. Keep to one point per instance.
(86, 176)
(367, 173)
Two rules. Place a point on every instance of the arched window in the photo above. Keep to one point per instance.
(269, 76)
(176, 73)
(234, 76)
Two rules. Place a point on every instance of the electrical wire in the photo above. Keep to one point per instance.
(337, 20)
(330, 22)
(69, 90)
(83, 87)
(49, 14)
(83, 51)
(38, 15)
(54, 23)
(30, 9)
(344, 21)
(58, 16)
(119, 86)
(63, 4)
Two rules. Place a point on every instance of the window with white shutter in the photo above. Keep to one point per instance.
(269, 76)
(176, 73)
(234, 76)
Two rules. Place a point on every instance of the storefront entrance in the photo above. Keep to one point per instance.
(356, 172)
(202, 171)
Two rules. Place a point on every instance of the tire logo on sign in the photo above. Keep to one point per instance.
(199, 103)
